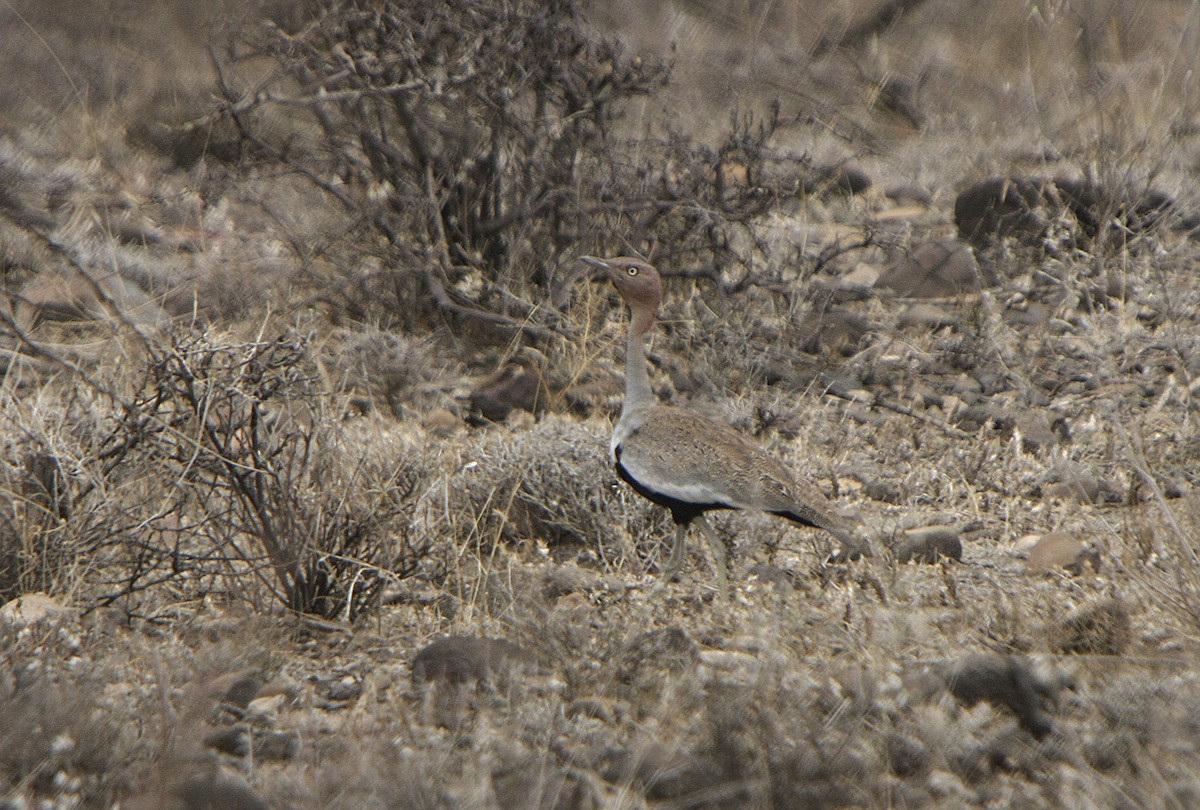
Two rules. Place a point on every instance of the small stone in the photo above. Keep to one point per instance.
(906, 756)
(882, 491)
(598, 708)
(569, 579)
(1058, 550)
(223, 788)
(276, 746)
(779, 578)
(442, 422)
(32, 608)
(938, 269)
(930, 545)
(345, 688)
(234, 741)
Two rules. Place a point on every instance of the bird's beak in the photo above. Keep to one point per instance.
(562, 292)
(598, 264)
(594, 262)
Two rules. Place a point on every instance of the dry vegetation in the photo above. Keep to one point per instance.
(299, 379)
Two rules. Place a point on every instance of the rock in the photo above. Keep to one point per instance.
(1040, 429)
(999, 207)
(242, 690)
(940, 269)
(234, 741)
(1007, 681)
(344, 689)
(946, 785)
(838, 179)
(442, 422)
(929, 545)
(905, 756)
(598, 708)
(467, 659)
(924, 315)
(223, 788)
(570, 578)
(1058, 550)
(32, 608)
(1080, 485)
(729, 667)
(880, 490)
(1103, 628)
(1094, 205)
(276, 746)
(779, 578)
(520, 386)
(829, 329)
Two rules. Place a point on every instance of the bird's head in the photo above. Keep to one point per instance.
(637, 281)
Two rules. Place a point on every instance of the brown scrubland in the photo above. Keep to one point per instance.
(305, 493)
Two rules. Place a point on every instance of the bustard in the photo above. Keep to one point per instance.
(691, 464)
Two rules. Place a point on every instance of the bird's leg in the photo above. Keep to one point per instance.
(718, 552)
(675, 562)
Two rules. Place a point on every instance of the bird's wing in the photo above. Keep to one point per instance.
(686, 456)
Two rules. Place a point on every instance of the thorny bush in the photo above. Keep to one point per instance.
(479, 147)
(227, 473)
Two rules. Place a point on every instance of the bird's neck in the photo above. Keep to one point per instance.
(638, 394)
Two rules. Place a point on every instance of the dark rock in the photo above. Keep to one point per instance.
(467, 659)
(220, 790)
(344, 689)
(838, 179)
(880, 490)
(1000, 207)
(906, 756)
(929, 545)
(234, 741)
(520, 386)
(276, 746)
(1003, 680)
(243, 690)
(1094, 204)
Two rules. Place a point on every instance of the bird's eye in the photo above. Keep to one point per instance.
(633, 271)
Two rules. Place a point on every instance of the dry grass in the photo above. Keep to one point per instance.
(221, 404)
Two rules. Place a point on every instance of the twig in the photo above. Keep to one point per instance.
(835, 388)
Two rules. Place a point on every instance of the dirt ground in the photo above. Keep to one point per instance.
(967, 309)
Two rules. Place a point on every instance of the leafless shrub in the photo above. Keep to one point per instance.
(224, 469)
